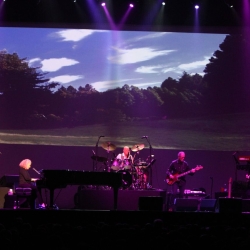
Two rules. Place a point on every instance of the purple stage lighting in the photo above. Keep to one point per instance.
(103, 4)
(131, 5)
(196, 6)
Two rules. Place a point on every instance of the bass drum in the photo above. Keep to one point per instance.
(126, 179)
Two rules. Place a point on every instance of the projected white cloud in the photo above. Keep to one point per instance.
(109, 59)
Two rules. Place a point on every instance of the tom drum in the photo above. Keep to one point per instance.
(116, 165)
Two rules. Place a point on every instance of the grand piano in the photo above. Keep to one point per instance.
(53, 179)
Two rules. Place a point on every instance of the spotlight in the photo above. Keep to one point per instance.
(103, 4)
(163, 3)
(196, 7)
(131, 5)
(229, 3)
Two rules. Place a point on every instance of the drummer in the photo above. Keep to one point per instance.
(125, 158)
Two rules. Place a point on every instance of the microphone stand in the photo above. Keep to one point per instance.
(136, 153)
(212, 183)
(96, 151)
(150, 160)
(108, 162)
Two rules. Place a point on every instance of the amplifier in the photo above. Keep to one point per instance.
(194, 194)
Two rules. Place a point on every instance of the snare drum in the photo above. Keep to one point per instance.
(126, 178)
(116, 165)
(127, 164)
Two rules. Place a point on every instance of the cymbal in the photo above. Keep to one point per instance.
(99, 158)
(108, 146)
(137, 147)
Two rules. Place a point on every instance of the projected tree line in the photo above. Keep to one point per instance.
(29, 100)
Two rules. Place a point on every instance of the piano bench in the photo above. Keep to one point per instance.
(21, 193)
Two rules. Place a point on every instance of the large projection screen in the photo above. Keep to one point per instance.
(124, 85)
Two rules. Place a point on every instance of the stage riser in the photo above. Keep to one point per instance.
(127, 199)
(221, 205)
(230, 205)
(181, 205)
(246, 205)
(208, 205)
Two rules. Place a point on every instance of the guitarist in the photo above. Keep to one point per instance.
(176, 167)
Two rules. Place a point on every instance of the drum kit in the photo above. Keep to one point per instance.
(135, 175)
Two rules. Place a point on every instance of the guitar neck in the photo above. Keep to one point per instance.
(179, 175)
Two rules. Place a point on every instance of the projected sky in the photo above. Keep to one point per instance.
(109, 59)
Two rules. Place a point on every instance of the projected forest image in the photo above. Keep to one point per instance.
(69, 86)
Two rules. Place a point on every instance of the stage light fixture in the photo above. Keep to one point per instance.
(229, 3)
(163, 3)
(131, 5)
(196, 6)
(103, 4)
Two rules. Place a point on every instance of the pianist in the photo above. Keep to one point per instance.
(25, 181)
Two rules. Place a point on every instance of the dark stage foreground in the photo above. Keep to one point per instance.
(81, 217)
(144, 218)
(103, 229)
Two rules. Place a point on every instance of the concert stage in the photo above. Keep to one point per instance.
(99, 199)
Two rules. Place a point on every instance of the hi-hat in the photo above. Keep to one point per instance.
(137, 147)
(99, 158)
(108, 146)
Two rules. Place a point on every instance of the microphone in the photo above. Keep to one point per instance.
(36, 171)
(145, 136)
(101, 136)
(93, 152)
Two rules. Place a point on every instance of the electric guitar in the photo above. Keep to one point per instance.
(171, 181)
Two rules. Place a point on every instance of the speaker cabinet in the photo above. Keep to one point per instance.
(208, 205)
(246, 205)
(151, 203)
(230, 205)
(127, 199)
(184, 205)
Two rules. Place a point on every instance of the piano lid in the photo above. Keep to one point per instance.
(61, 178)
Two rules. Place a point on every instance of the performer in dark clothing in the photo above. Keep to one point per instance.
(25, 181)
(174, 175)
